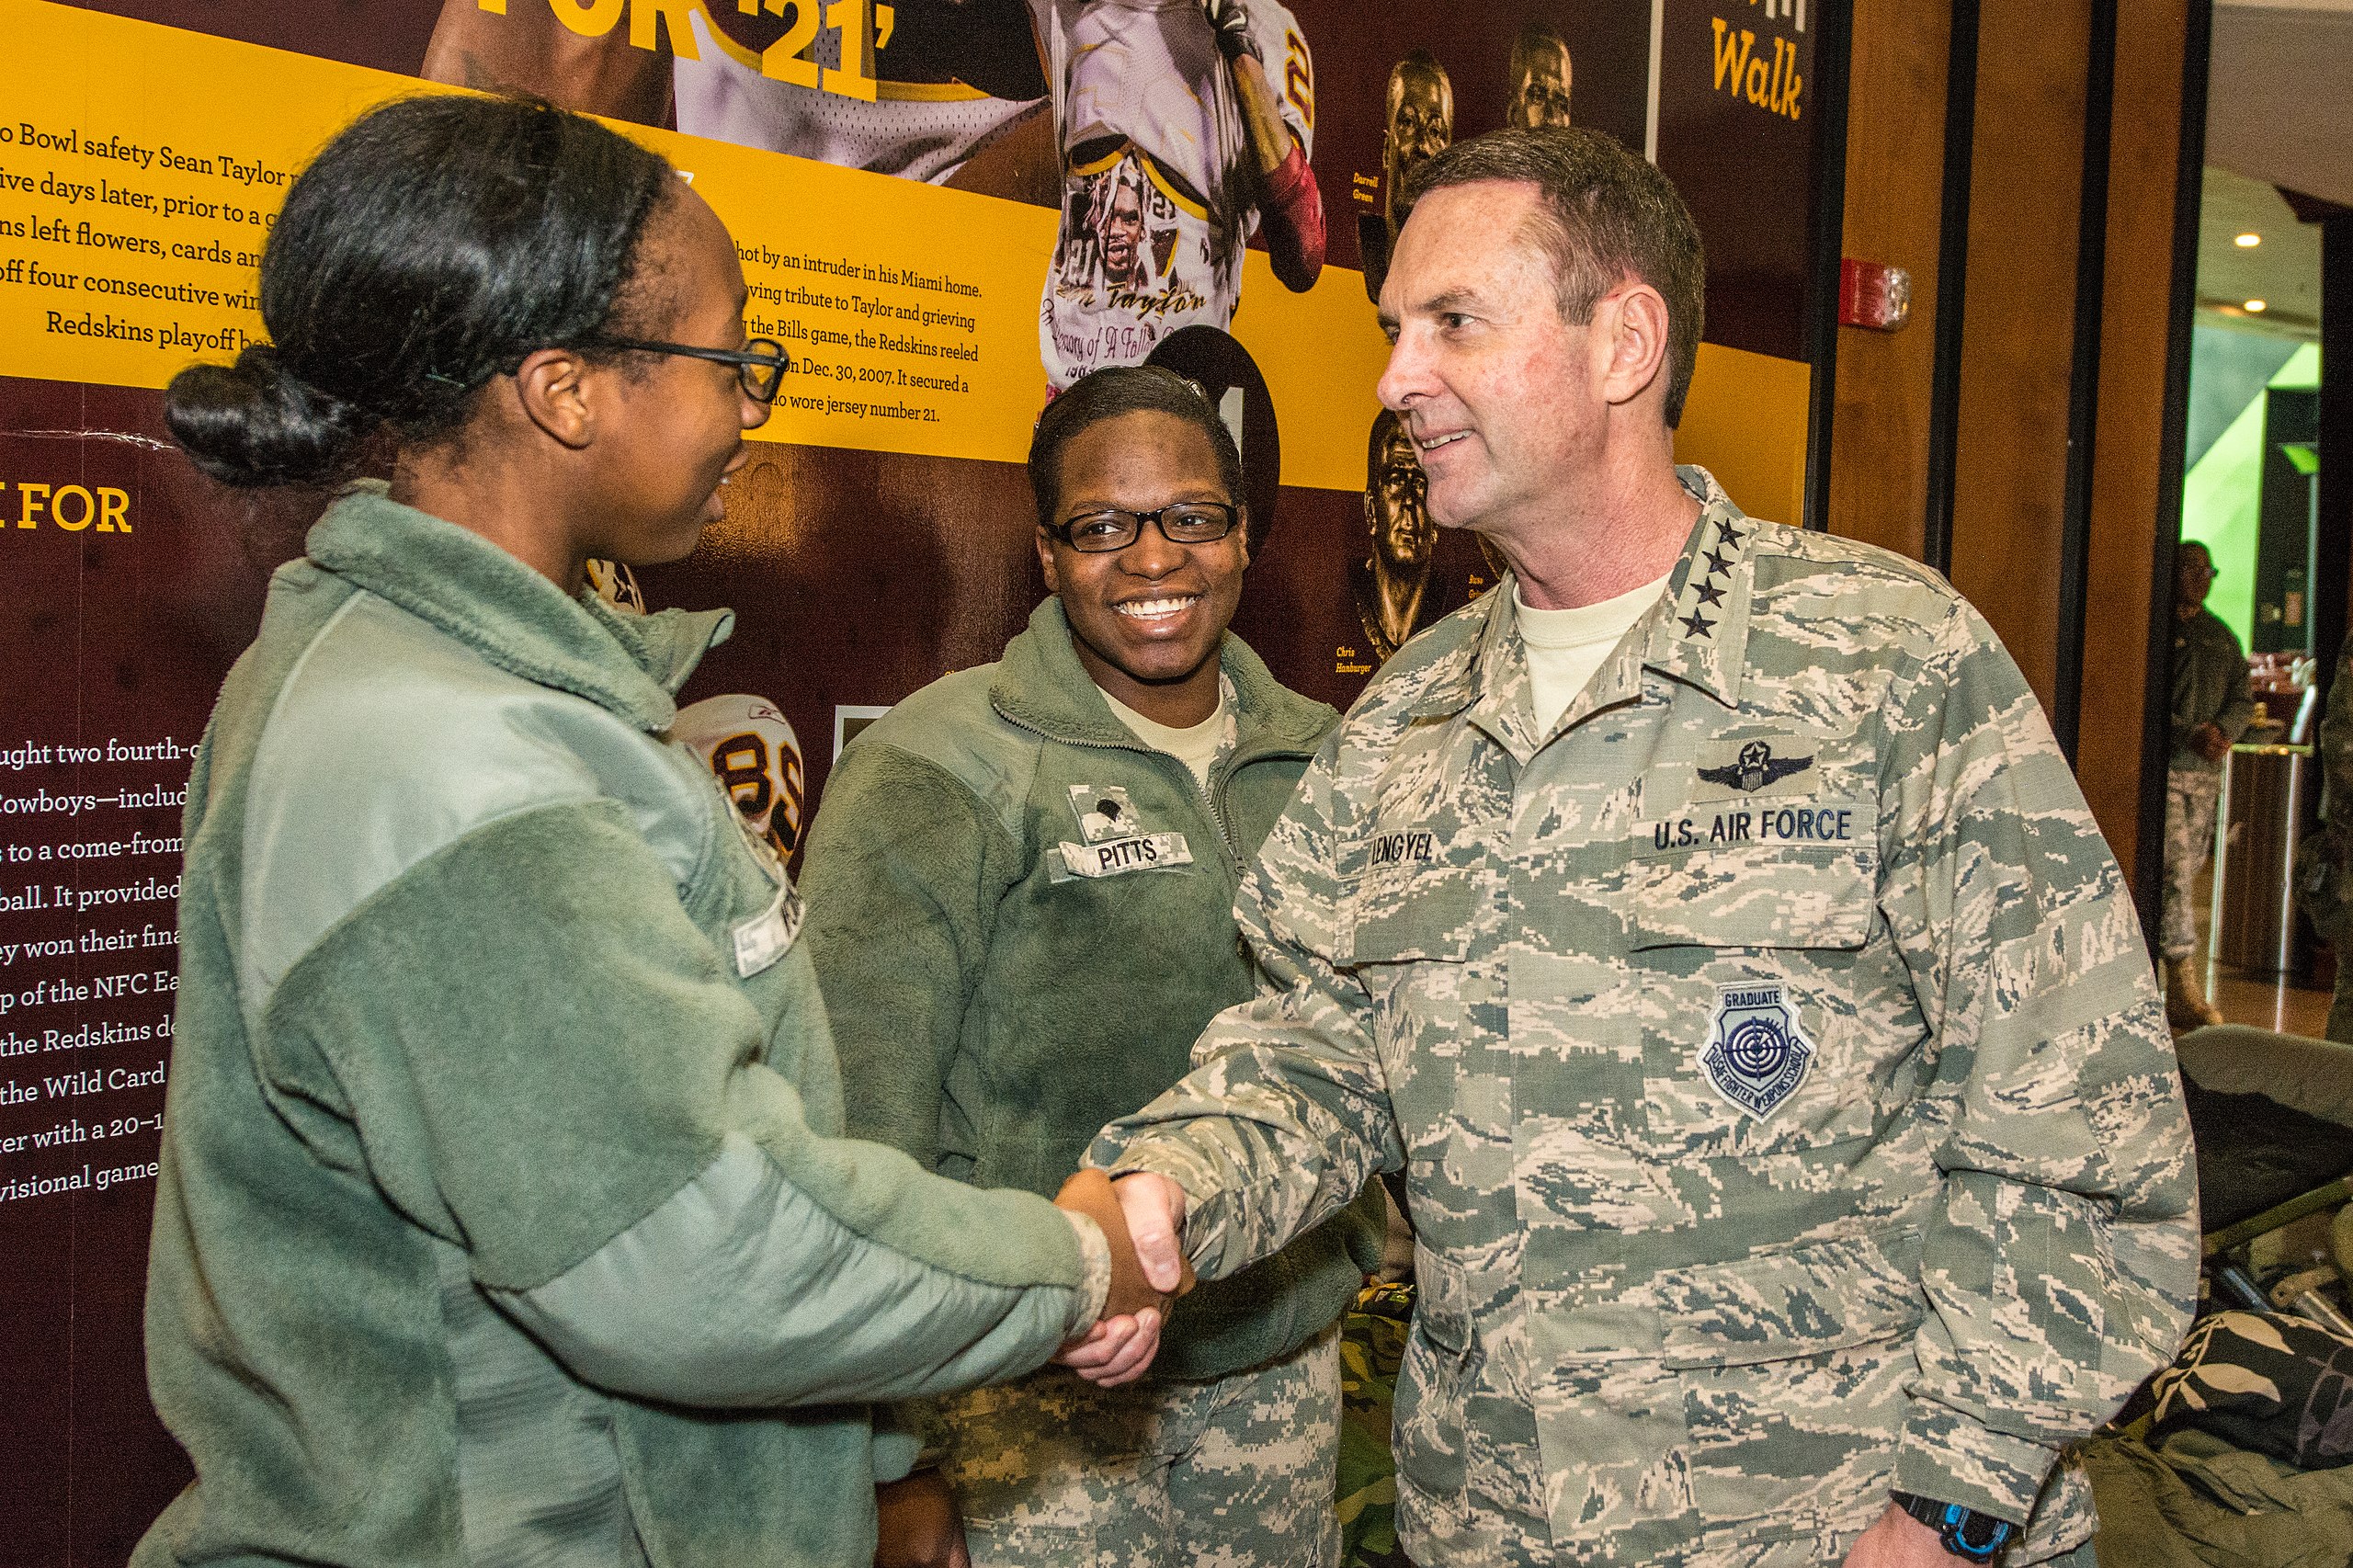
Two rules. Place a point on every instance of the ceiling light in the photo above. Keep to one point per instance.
(2248, 242)
(2254, 307)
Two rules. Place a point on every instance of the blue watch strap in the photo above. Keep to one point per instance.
(1965, 1533)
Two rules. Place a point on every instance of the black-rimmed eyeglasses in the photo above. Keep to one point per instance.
(1181, 522)
(760, 364)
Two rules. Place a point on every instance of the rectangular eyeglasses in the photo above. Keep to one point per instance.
(760, 364)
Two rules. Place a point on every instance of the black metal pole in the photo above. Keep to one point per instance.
(1833, 52)
(1952, 283)
(2156, 696)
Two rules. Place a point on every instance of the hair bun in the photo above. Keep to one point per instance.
(253, 423)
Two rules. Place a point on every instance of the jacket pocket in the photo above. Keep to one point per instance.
(1408, 934)
(1786, 895)
(1800, 1302)
(1434, 1384)
(1411, 913)
(1755, 1046)
(1793, 1368)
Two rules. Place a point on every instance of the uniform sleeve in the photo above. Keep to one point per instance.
(1291, 69)
(551, 1067)
(2238, 690)
(2058, 1268)
(1286, 1114)
(904, 871)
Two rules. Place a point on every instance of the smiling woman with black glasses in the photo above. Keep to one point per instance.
(1021, 885)
(504, 1209)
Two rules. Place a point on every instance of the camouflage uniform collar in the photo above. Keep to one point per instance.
(1700, 637)
(1040, 685)
(1696, 633)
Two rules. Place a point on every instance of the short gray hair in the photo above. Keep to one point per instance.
(1604, 213)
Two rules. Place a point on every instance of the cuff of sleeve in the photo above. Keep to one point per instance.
(895, 1453)
(1095, 1276)
(1945, 1455)
(1191, 1173)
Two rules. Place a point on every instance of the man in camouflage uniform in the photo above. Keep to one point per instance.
(1785, 1105)
(2212, 709)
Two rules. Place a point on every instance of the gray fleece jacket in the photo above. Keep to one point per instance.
(1022, 916)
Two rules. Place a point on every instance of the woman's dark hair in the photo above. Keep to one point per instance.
(430, 247)
(1108, 394)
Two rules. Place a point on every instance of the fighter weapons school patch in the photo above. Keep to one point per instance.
(1757, 1052)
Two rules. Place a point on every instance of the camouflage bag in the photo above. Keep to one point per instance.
(1372, 1345)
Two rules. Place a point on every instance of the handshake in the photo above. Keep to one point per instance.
(1143, 1216)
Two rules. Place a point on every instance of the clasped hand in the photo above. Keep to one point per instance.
(1142, 1216)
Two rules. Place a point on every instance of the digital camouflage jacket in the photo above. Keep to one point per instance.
(1783, 1096)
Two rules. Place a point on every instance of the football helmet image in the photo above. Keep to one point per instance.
(752, 751)
(617, 586)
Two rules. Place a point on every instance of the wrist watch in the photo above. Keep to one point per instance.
(1966, 1533)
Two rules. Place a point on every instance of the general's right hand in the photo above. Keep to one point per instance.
(1154, 1210)
(1135, 1287)
(1120, 1348)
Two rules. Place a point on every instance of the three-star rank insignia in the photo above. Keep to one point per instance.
(1757, 1053)
(1755, 767)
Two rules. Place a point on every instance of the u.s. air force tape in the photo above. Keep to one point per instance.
(1142, 852)
(764, 938)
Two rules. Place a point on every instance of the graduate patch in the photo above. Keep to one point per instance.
(1757, 1053)
(1104, 813)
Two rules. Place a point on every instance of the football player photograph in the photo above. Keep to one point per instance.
(1176, 131)
(1541, 75)
(1021, 883)
(1418, 123)
(1392, 585)
(947, 79)
(505, 1211)
(1707, 928)
(1176, 146)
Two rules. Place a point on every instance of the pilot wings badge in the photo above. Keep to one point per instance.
(1755, 767)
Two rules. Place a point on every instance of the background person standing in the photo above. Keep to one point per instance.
(2212, 707)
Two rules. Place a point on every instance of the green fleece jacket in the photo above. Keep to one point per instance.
(1008, 968)
(503, 1215)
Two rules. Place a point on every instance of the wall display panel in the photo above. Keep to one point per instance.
(944, 211)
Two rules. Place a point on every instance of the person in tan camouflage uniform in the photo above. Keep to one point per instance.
(2213, 706)
(1782, 1092)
